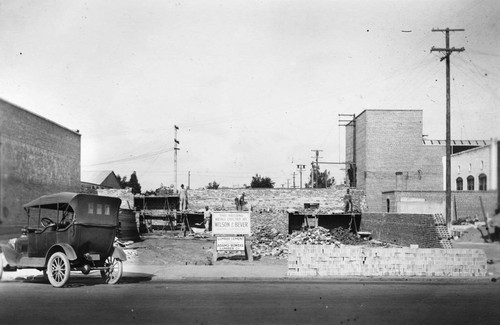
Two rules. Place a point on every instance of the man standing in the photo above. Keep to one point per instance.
(240, 202)
(347, 202)
(207, 218)
(184, 198)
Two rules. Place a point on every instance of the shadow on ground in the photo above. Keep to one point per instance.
(89, 280)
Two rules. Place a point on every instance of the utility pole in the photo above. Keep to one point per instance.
(447, 52)
(176, 142)
(301, 167)
(317, 165)
(293, 175)
(189, 180)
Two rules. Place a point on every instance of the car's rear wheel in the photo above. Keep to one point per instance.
(58, 269)
(114, 270)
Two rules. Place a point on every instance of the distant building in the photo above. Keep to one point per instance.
(475, 169)
(103, 179)
(37, 157)
(381, 143)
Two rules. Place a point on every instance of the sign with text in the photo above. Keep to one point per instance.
(230, 243)
(231, 223)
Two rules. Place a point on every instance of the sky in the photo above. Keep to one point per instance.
(253, 86)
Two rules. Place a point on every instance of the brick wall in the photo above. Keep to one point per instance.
(276, 199)
(37, 157)
(349, 261)
(269, 206)
(403, 229)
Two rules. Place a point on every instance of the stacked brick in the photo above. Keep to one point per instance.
(424, 230)
(353, 261)
(442, 232)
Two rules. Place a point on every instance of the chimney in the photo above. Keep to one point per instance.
(399, 181)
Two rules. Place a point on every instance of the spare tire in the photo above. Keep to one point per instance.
(127, 229)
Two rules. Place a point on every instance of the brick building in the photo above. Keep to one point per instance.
(381, 143)
(37, 157)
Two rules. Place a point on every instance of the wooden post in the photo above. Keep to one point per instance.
(248, 249)
(485, 219)
(214, 252)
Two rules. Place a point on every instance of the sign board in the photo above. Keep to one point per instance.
(231, 243)
(231, 223)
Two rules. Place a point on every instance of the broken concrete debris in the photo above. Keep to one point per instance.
(267, 241)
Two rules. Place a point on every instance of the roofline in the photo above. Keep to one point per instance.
(39, 116)
(428, 142)
(384, 109)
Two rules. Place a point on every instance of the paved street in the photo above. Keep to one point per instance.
(141, 301)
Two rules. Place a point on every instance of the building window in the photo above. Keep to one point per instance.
(91, 208)
(106, 209)
(98, 209)
(482, 182)
(388, 205)
(460, 184)
(470, 183)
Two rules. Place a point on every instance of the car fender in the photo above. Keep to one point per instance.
(11, 255)
(119, 254)
(68, 250)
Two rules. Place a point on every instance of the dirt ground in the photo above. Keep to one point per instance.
(172, 248)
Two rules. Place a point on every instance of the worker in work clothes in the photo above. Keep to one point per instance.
(240, 202)
(347, 202)
(207, 218)
(183, 196)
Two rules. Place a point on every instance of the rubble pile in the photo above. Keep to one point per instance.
(267, 241)
(270, 242)
(271, 218)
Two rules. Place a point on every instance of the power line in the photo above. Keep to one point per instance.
(127, 159)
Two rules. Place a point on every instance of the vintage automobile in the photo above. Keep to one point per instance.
(68, 232)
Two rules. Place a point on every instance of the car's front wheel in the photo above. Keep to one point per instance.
(58, 269)
(114, 270)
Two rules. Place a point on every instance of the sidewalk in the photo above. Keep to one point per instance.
(227, 272)
(210, 272)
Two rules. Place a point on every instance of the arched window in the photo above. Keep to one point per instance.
(482, 182)
(460, 184)
(470, 183)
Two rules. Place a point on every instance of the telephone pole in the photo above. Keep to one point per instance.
(301, 167)
(317, 165)
(447, 52)
(176, 142)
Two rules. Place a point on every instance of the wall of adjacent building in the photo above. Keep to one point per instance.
(464, 204)
(390, 141)
(37, 157)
